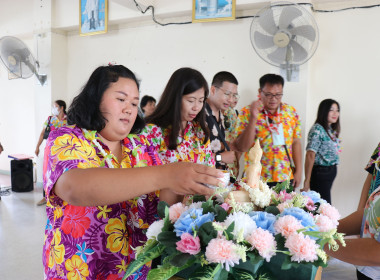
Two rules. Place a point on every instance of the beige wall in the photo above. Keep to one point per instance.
(344, 68)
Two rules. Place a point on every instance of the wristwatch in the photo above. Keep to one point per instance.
(218, 157)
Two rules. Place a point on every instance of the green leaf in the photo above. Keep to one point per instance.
(207, 232)
(229, 231)
(241, 274)
(181, 259)
(199, 198)
(287, 264)
(272, 209)
(143, 258)
(206, 272)
(208, 207)
(221, 214)
(168, 238)
(161, 209)
(165, 272)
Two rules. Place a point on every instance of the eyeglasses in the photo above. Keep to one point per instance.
(270, 95)
(228, 93)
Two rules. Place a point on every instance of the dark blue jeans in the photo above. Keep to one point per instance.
(321, 180)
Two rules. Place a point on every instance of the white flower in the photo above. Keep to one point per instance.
(155, 229)
(243, 224)
(215, 145)
(196, 205)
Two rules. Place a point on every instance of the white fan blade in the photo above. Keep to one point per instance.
(278, 56)
(306, 31)
(299, 52)
(287, 16)
(263, 41)
(266, 21)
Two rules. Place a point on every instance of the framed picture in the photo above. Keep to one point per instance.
(93, 17)
(213, 10)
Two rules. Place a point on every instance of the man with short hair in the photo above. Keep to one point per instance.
(278, 128)
(223, 88)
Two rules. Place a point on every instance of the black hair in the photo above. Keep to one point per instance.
(323, 113)
(271, 79)
(145, 100)
(168, 110)
(223, 76)
(85, 112)
(61, 103)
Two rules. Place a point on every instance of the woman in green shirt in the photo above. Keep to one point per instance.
(322, 154)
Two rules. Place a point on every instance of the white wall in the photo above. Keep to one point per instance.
(344, 67)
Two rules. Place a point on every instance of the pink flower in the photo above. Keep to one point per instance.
(222, 251)
(225, 206)
(189, 244)
(175, 211)
(284, 196)
(286, 225)
(329, 211)
(309, 204)
(302, 248)
(263, 241)
(324, 223)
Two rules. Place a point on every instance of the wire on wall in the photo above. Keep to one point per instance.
(151, 7)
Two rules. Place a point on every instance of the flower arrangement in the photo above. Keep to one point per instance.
(261, 239)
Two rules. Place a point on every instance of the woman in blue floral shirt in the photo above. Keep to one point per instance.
(322, 156)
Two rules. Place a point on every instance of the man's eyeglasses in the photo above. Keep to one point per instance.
(270, 95)
(228, 93)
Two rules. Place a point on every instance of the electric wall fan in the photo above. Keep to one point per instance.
(285, 35)
(18, 59)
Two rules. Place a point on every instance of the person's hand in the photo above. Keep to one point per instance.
(189, 178)
(228, 156)
(306, 186)
(256, 106)
(297, 178)
(37, 151)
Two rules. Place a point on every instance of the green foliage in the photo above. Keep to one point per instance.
(143, 258)
(221, 214)
(283, 186)
(240, 274)
(199, 198)
(167, 271)
(208, 207)
(206, 272)
(272, 209)
(229, 230)
(168, 238)
(207, 232)
(181, 259)
(161, 209)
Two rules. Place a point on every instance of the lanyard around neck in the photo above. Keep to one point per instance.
(273, 126)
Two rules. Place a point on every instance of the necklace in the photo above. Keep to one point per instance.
(92, 138)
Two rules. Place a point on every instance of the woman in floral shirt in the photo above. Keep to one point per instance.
(98, 204)
(322, 156)
(177, 127)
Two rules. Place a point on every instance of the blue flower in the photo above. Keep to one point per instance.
(82, 251)
(301, 215)
(191, 220)
(315, 197)
(263, 220)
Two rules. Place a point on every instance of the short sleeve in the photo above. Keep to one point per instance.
(314, 139)
(372, 161)
(66, 151)
(297, 126)
(243, 119)
(46, 122)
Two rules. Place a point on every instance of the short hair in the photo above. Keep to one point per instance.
(224, 76)
(145, 100)
(61, 103)
(271, 79)
(323, 113)
(85, 112)
(168, 110)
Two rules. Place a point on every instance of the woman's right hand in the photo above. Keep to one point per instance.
(189, 178)
(37, 151)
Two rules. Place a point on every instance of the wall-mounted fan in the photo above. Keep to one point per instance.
(18, 59)
(285, 35)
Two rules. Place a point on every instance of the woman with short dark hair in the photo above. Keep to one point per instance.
(322, 156)
(99, 205)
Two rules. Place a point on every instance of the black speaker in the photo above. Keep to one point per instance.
(22, 175)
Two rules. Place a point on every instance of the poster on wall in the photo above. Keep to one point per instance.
(93, 17)
(213, 10)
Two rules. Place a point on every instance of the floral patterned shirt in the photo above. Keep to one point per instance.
(55, 123)
(94, 242)
(326, 148)
(275, 162)
(231, 122)
(190, 148)
(373, 167)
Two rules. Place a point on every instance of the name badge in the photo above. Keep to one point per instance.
(278, 136)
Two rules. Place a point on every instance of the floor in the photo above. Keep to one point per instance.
(22, 226)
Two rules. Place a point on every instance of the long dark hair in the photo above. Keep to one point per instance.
(168, 110)
(85, 112)
(323, 113)
(61, 103)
